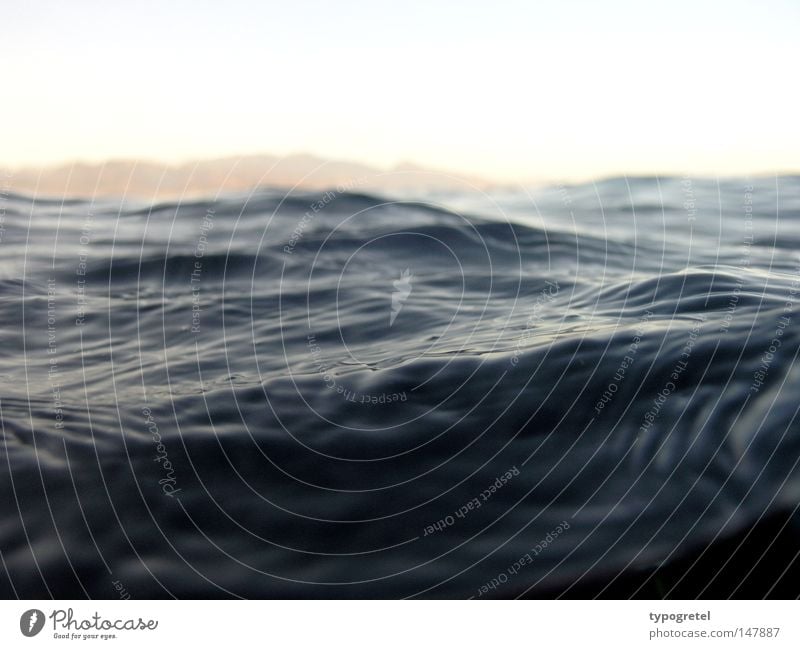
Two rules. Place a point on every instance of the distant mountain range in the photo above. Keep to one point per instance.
(150, 180)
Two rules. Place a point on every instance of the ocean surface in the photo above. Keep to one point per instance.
(584, 390)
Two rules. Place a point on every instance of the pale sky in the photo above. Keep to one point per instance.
(507, 90)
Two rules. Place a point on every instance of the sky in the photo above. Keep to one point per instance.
(506, 90)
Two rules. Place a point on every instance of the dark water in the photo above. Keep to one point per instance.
(586, 390)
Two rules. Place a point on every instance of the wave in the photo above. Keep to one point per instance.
(348, 395)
